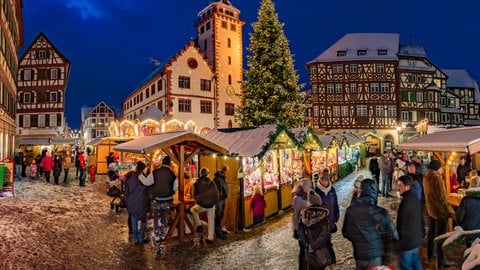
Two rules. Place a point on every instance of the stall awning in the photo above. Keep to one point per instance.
(154, 142)
(450, 140)
(34, 141)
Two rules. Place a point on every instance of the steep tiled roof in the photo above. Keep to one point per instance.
(459, 78)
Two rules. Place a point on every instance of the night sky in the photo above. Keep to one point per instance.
(110, 43)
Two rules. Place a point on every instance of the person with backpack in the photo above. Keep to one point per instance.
(206, 196)
(315, 231)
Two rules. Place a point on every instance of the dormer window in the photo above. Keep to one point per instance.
(382, 52)
(361, 52)
(341, 53)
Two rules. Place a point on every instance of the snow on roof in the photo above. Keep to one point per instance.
(152, 112)
(412, 50)
(459, 78)
(371, 43)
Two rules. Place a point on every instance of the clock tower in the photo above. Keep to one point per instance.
(219, 30)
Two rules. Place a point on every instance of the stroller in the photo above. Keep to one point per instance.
(115, 189)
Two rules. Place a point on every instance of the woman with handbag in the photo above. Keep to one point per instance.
(314, 230)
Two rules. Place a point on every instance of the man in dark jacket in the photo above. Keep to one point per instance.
(409, 224)
(206, 196)
(462, 171)
(366, 225)
(164, 186)
(468, 216)
(222, 187)
(375, 170)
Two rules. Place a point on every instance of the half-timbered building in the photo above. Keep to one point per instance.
(201, 83)
(42, 83)
(354, 85)
(96, 120)
(465, 87)
(11, 39)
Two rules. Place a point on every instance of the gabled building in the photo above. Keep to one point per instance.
(354, 85)
(369, 83)
(11, 39)
(466, 88)
(201, 83)
(96, 120)
(42, 84)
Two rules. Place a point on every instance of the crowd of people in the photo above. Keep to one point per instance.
(48, 164)
(422, 215)
(154, 191)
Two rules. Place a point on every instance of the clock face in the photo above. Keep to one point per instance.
(230, 90)
(192, 63)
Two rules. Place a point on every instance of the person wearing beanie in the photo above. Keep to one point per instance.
(467, 214)
(220, 180)
(206, 196)
(164, 186)
(315, 233)
(438, 209)
(369, 227)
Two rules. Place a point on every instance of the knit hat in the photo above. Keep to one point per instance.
(434, 165)
(204, 172)
(166, 161)
(140, 166)
(314, 198)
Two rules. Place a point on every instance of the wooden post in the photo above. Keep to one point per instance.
(181, 186)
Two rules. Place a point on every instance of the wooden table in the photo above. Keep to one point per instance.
(180, 218)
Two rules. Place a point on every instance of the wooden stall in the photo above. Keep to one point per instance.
(314, 157)
(102, 148)
(328, 156)
(181, 146)
(448, 146)
(266, 156)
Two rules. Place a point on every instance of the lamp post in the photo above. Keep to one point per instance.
(399, 131)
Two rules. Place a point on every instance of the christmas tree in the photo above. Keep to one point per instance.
(271, 89)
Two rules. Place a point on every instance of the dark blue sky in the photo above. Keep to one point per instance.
(110, 42)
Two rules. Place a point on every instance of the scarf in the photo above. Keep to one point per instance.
(324, 189)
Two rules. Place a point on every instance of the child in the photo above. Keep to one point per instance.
(92, 173)
(258, 204)
(33, 170)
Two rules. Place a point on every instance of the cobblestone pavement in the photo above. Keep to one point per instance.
(68, 227)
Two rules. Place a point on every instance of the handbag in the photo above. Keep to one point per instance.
(320, 258)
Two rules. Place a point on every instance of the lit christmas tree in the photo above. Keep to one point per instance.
(271, 89)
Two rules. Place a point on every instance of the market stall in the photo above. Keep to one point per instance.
(313, 154)
(448, 146)
(328, 156)
(101, 148)
(266, 156)
(181, 147)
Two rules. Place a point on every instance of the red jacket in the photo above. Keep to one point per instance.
(47, 163)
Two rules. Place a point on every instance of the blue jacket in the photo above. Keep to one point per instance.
(331, 202)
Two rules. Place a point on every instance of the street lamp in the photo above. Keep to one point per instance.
(399, 130)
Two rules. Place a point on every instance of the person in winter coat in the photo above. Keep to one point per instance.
(222, 186)
(328, 194)
(356, 189)
(47, 166)
(258, 204)
(164, 186)
(314, 230)
(467, 214)
(57, 169)
(409, 225)
(386, 170)
(33, 170)
(462, 171)
(374, 169)
(366, 225)
(137, 202)
(438, 209)
(206, 196)
(66, 164)
(299, 202)
(82, 166)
